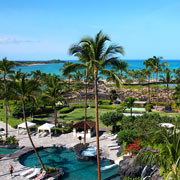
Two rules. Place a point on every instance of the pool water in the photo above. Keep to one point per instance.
(65, 159)
(7, 151)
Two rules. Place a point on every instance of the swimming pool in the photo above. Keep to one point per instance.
(7, 151)
(65, 159)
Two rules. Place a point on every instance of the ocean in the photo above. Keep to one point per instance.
(55, 67)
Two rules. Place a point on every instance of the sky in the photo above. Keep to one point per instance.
(45, 29)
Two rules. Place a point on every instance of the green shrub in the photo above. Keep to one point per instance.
(66, 110)
(129, 178)
(148, 107)
(103, 101)
(66, 130)
(11, 140)
(127, 135)
(108, 107)
(111, 118)
(79, 106)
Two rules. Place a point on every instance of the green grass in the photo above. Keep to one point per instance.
(78, 114)
(168, 114)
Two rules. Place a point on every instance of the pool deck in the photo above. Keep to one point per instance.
(67, 140)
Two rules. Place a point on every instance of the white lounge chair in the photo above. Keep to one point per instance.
(29, 171)
(112, 145)
(2, 133)
(35, 173)
(44, 134)
(113, 137)
(40, 134)
(114, 148)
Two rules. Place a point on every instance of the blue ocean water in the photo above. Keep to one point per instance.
(55, 67)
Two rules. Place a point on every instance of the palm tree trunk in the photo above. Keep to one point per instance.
(131, 111)
(157, 88)
(27, 128)
(5, 90)
(55, 115)
(149, 90)
(97, 121)
(85, 110)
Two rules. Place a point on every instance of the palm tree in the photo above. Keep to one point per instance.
(53, 91)
(6, 69)
(100, 56)
(26, 88)
(167, 78)
(129, 103)
(68, 73)
(157, 66)
(148, 64)
(122, 67)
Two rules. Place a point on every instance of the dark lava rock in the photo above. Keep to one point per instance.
(78, 148)
(156, 175)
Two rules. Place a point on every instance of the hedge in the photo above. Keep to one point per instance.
(67, 110)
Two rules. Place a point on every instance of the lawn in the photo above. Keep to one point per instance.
(78, 114)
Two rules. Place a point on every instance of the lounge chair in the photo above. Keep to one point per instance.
(29, 171)
(44, 134)
(114, 148)
(113, 137)
(41, 176)
(35, 173)
(112, 145)
(3, 133)
(40, 134)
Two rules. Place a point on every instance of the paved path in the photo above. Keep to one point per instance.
(65, 139)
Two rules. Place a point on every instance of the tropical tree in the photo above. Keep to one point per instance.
(26, 88)
(157, 68)
(99, 56)
(68, 74)
(6, 69)
(53, 92)
(129, 103)
(148, 64)
(122, 67)
(167, 78)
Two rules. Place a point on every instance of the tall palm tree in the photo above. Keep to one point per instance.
(148, 64)
(6, 69)
(53, 91)
(167, 78)
(129, 103)
(26, 88)
(100, 56)
(157, 66)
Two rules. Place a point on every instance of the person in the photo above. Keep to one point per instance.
(11, 170)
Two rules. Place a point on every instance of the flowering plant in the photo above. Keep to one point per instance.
(133, 149)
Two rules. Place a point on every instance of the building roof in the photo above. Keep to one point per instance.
(80, 124)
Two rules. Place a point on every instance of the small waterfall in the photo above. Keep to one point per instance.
(108, 167)
(146, 173)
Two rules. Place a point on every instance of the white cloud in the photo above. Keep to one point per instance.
(15, 40)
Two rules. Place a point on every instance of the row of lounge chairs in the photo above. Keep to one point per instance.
(114, 145)
(33, 173)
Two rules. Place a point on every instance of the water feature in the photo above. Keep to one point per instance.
(4, 151)
(66, 159)
(89, 152)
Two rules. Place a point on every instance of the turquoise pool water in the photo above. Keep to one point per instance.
(136, 109)
(7, 151)
(65, 159)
